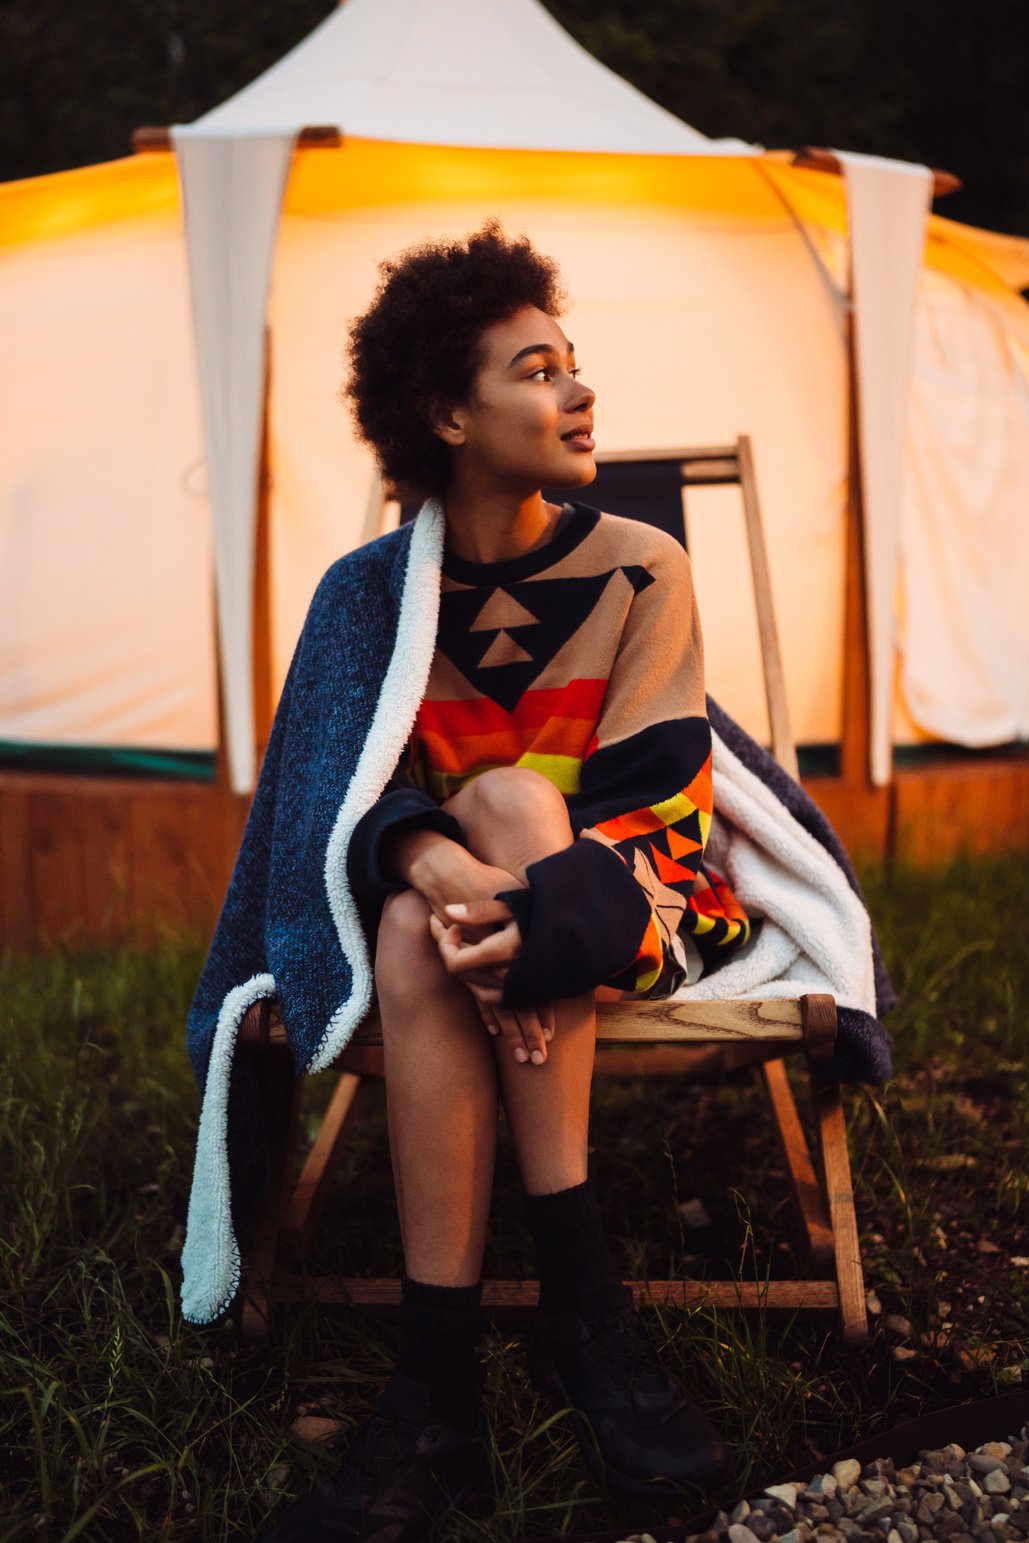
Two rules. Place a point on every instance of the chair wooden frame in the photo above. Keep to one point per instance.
(655, 1038)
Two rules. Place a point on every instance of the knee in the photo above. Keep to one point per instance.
(509, 795)
(404, 948)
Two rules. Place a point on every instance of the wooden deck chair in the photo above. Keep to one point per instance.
(679, 1036)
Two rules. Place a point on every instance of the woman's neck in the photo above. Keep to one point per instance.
(491, 528)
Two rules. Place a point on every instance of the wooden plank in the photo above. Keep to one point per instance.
(804, 1186)
(771, 659)
(151, 138)
(521, 1296)
(107, 847)
(766, 1022)
(976, 807)
(832, 1132)
(56, 868)
(815, 158)
(17, 911)
(860, 814)
(687, 456)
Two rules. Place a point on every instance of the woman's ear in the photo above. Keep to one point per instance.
(447, 423)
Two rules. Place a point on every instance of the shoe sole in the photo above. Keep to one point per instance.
(545, 1376)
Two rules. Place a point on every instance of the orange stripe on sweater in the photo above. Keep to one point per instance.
(568, 737)
(478, 715)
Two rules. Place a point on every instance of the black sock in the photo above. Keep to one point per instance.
(578, 1272)
(439, 1332)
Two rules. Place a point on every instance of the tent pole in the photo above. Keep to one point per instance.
(867, 808)
(262, 627)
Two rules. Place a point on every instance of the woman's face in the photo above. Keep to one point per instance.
(529, 420)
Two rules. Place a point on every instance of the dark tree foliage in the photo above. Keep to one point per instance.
(946, 83)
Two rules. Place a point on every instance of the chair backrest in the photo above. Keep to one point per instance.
(651, 485)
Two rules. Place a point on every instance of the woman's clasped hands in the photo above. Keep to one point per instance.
(478, 943)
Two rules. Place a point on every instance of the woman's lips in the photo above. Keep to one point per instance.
(579, 441)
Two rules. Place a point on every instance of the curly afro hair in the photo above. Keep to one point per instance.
(418, 346)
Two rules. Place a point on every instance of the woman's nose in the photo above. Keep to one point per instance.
(581, 396)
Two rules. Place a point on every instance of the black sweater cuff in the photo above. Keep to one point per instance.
(407, 808)
(582, 920)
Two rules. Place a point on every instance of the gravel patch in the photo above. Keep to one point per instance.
(948, 1494)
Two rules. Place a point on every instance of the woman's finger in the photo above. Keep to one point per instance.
(500, 948)
(478, 913)
(511, 1032)
(532, 1033)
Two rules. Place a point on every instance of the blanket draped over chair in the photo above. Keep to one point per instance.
(291, 929)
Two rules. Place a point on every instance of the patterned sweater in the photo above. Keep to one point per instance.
(582, 660)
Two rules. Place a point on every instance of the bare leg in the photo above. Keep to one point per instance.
(513, 817)
(441, 1091)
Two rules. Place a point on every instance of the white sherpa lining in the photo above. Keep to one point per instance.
(815, 934)
(401, 696)
(210, 1254)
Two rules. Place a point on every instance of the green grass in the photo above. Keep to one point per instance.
(119, 1422)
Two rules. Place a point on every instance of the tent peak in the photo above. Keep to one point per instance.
(456, 72)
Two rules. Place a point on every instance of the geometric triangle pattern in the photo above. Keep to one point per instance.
(538, 615)
(504, 649)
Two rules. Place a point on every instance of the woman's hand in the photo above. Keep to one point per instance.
(444, 872)
(478, 947)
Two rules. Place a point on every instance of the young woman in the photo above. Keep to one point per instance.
(539, 846)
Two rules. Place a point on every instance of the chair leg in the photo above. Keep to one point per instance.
(280, 1099)
(839, 1189)
(304, 1206)
(808, 1199)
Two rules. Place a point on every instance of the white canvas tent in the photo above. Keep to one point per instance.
(709, 285)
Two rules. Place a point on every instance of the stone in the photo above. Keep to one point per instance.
(875, 1487)
(738, 1533)
(999, 1449)
(874, 1510)
(936, 1462)
(315, 1428)
(740, 1512)
(785, 1493)
(822, 1487)
(846, 1473)
(761, 1526)
(997, 1482)
(836, 1508)
(893, 1536)
(780, 1515)
(984, 1462)
(816, 1512)
(695, 1215)
(908, 1531)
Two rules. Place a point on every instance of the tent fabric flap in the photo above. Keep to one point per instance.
(888, 208)
(232, 192)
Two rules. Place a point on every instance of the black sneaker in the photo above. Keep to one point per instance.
(639, 1433)
(401, 1472)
